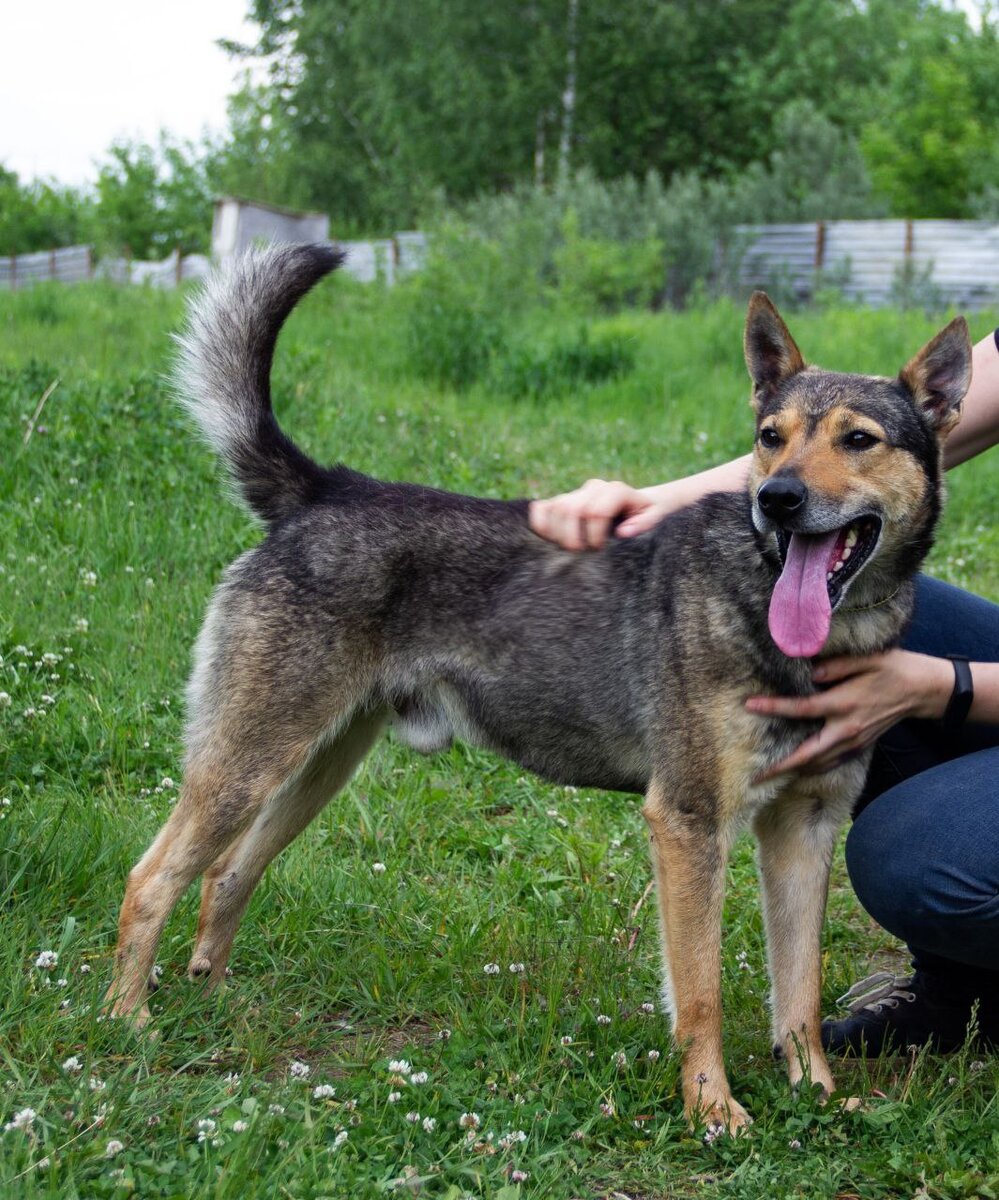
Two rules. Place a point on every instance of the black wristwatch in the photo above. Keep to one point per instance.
(959, 704)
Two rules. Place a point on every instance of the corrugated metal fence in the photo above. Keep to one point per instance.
(872, 260)
(73, 264)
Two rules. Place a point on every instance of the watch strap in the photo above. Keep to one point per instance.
(961, 697)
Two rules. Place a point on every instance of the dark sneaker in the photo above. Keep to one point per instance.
(887, 1015)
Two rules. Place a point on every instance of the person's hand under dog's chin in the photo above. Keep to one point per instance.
(866, 697)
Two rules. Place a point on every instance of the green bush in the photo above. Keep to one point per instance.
(527, 369)
(596, 274)
(455, 315)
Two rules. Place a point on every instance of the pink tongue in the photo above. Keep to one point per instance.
(800, 612)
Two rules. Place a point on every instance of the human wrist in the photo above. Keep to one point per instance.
(934, 678)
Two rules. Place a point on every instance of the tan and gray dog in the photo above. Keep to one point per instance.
(369, 604)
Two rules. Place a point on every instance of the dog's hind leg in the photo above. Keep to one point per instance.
(230, 881)
(689, 855)
(216, 803)
(796, 836)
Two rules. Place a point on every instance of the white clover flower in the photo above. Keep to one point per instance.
(469, 1120)
(491, 969)
(508, 1140)
(518, 1176)
(517, 968)
(21, 1120)
(429, 1124)
(413, 1118)
(231, 1080)
(794, 1144)
(299, 1070)
(50, 659)
(166, 782)
(47, 960)
(379, 868)
(652, 1055)
(96, 1085)
(72, 1065)
(207, 1128)
(607, 1110)
(339, 1140)
(713, 1132)
(88, 578)
(394, 1097)
(85, 969)
(648, 1007)
(442, 1034)
(43, 1164)
(419, 1077)
(5, 700)
(323, 1091)
(113, 1148)
(565, 1040)
(240, 1126)
(620, 1060)
(81, 624)
(276, 1110)
(400, 1066)
(603, 1019)
(62, 982)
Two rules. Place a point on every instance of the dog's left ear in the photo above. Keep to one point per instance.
(939, 375)
(771, 355)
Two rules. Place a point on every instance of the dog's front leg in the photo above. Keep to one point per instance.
(689, 854)
(797, 835)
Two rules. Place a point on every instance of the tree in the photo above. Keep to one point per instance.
(41, 215)
(153, 199)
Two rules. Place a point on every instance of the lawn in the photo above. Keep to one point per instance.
(365, 1046)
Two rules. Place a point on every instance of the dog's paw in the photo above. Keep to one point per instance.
(724, 1116)
(199, 969)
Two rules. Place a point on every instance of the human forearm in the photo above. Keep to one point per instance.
(978, 428)
(678, 493)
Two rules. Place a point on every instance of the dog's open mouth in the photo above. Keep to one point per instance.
(817, 568)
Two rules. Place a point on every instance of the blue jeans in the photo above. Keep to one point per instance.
(923, 851)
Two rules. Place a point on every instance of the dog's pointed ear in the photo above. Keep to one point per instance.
(771, 354)
(939, 375)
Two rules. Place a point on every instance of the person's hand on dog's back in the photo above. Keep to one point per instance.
(584, 518)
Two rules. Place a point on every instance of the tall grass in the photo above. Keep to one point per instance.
(114, 533)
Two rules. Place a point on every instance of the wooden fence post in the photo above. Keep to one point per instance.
(178, 273)
(908, 240)
(13, 272)
(820, 245)
(52, 265)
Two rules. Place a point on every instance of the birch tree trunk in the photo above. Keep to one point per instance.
(569, 93)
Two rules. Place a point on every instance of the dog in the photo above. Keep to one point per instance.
(371, 604)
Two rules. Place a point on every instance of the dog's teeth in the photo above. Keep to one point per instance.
(838, 566)
(851, 538)
(846, 553)
(828, 574)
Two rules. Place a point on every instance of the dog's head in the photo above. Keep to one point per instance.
(846, 470)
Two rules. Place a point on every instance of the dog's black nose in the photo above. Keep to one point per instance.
(780, 497)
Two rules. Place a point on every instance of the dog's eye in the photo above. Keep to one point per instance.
(860, 439)
(770, 438)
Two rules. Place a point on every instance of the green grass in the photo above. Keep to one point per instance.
(114, 533)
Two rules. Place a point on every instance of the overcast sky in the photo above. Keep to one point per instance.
(78, 73)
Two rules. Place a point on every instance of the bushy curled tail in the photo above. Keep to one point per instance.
(224, 366)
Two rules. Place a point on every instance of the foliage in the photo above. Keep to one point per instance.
(41, 214)
(931, 147)
(598, 275)
(153, 199)
(336, 964)
(384, 109)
